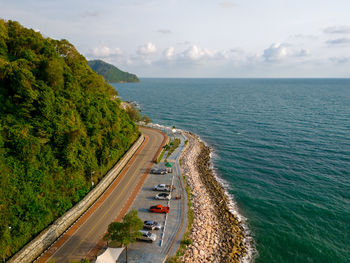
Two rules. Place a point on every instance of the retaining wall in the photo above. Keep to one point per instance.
(38, 245)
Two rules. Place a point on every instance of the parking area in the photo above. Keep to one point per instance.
(172, 224)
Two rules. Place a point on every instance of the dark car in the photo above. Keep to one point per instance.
(158, 171)
(163, 170)
(151, 225)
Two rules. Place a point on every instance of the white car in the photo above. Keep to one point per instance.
(163, 196)
(147, 236)
(163, 187)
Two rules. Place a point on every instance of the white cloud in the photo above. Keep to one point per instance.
(146, 49)
(278, 52)
(169, 53)
(105, 52)
(275, 52)
(232, 54)
(195, 56)
(196, 53)
(337, 30)
(277, 60)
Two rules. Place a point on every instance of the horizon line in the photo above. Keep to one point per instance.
(244, 77)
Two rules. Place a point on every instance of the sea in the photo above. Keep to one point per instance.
(282, 149)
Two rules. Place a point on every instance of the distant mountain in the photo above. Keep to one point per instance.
(111, 73)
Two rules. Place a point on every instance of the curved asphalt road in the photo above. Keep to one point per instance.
(86, 237)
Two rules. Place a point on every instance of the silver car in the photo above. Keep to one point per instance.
(151, 225)
(147, 236)
(163, 187)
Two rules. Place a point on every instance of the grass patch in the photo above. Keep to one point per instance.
(172, 146)
(161, 155)
(186, 242)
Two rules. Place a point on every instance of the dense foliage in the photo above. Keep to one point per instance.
(134, 113)
(61, 127)
(111, 73)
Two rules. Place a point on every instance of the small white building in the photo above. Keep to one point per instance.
(110, 255)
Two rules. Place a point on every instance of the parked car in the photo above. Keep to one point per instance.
(151, 225)
(163, 196)
(147, 236)
(159, 209)
(164, 170)
(164, 187)
(158, 171)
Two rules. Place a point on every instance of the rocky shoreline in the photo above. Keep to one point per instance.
(217, 235)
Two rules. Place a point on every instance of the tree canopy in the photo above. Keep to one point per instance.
(125, 232)
(61, 127)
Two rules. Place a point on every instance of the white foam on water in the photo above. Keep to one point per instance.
(248, 240)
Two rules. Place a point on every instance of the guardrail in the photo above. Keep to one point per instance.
(38, 245)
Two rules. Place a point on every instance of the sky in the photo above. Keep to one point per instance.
(193, 38)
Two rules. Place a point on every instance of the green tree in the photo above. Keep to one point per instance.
(133, 113)
(61, 127)
(125, 232)
(146, 119)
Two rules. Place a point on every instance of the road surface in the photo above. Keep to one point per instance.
(173, 224)
(92, 230)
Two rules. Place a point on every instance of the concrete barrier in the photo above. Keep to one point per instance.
(38, 245)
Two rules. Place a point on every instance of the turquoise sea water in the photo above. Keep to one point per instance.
(282, 146)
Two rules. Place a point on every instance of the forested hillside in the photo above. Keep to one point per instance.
(111, 73)
(61, 128)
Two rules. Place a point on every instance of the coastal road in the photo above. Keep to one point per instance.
(85, 238)
(173, 224)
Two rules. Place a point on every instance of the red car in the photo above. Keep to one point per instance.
(159, 209)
